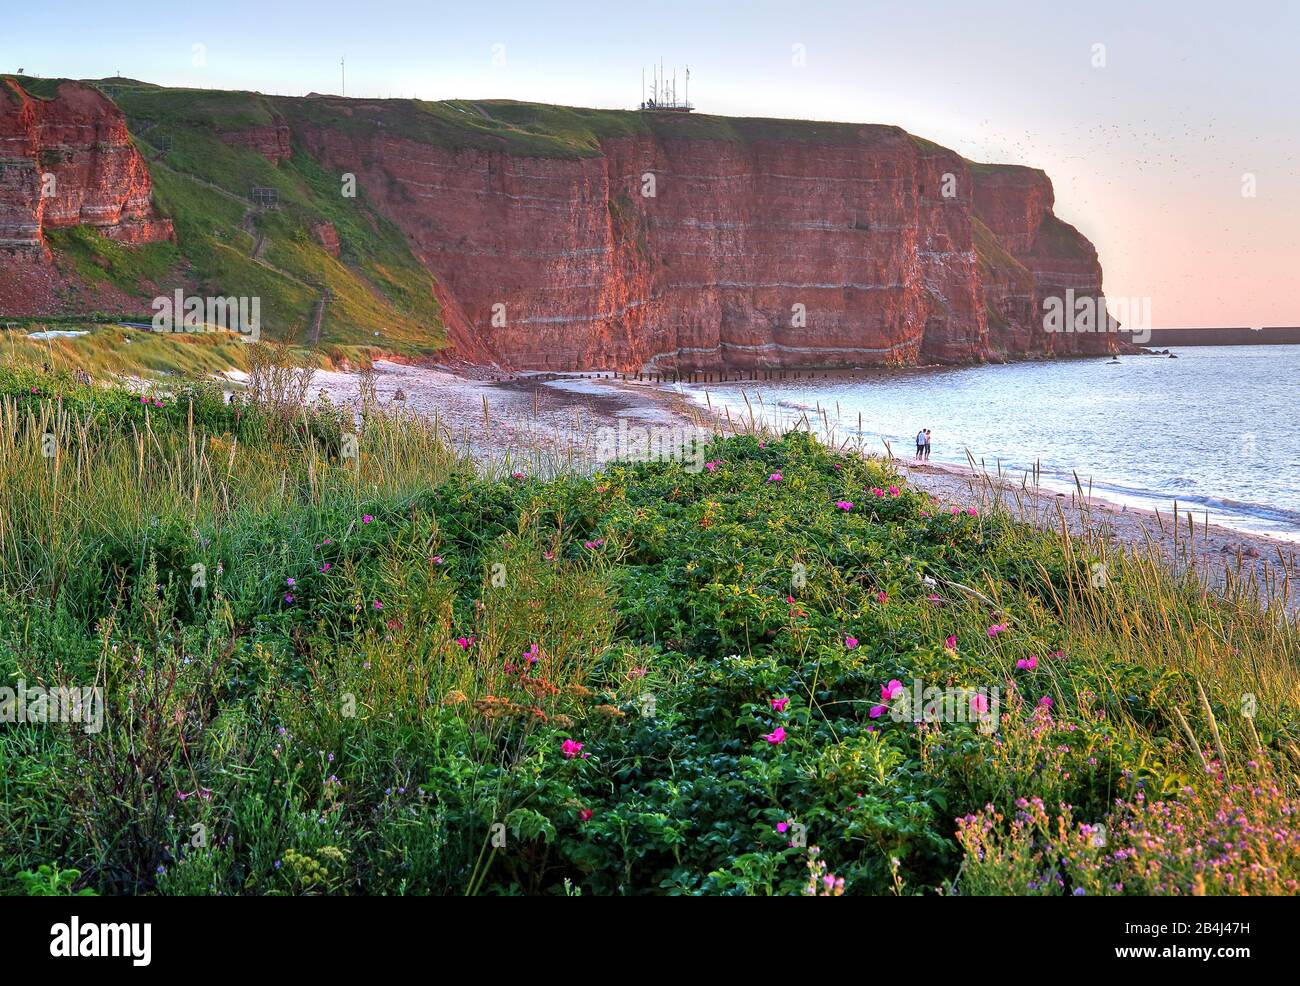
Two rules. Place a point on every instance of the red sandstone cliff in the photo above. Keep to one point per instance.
(761, 243)
(271, 141)
(1030, 255)
(871, 247)
(70, 161)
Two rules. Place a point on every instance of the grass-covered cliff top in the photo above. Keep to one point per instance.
(379, 293)
(523, 128)
(378, 668)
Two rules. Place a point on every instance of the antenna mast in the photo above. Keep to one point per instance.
(343, 75)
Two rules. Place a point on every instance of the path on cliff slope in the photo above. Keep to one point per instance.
(259, 244)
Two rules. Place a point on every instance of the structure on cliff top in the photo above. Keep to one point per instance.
(663, 97)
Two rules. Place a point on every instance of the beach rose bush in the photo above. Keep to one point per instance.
(428, 677)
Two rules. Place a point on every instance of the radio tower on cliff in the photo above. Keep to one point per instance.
(663, 95)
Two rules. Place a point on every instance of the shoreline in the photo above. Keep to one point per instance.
(1220, 555)
(1217, 553)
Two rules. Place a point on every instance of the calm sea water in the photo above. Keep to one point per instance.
(1217, 429)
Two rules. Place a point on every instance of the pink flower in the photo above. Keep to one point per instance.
(774, 478)
(783, 827)
(712, 466)
(979, 704)
(779, 704)
(572, 749)
(775, 736)
(533, 654)
(366, 518)
(1027, 664)
(996, 629)
(894, 491)
(877, 491)
(288, 597)
(882, 597)
(888, 693)
(436, 559)
(934, 599)
(378, 604)
(1045, 702)
(326, 567)
(850, 642)
(972, 511)
(951, 642)
(954, 510)
(517, 475)
(844, 504)
(465, 642)
(584, 814)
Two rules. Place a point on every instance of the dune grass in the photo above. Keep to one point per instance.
(337, 657)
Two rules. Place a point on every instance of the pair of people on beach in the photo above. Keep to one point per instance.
(923, 445)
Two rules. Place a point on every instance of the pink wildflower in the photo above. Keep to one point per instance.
(775, 736)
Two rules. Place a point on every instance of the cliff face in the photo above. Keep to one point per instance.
(748, 254)
(272, 141)
(1032, 255)
(69, 161)
(569, 239)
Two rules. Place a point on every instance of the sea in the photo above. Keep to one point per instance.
(1216, 430)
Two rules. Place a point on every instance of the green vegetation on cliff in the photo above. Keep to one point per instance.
(378, 292)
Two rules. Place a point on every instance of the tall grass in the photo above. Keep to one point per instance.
(350, 657)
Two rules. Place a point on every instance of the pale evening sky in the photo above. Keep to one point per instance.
(1148, 153)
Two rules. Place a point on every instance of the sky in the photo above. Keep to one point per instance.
(1171, 130)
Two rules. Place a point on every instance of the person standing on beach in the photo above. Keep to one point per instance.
(926, 446)
(920, 443)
